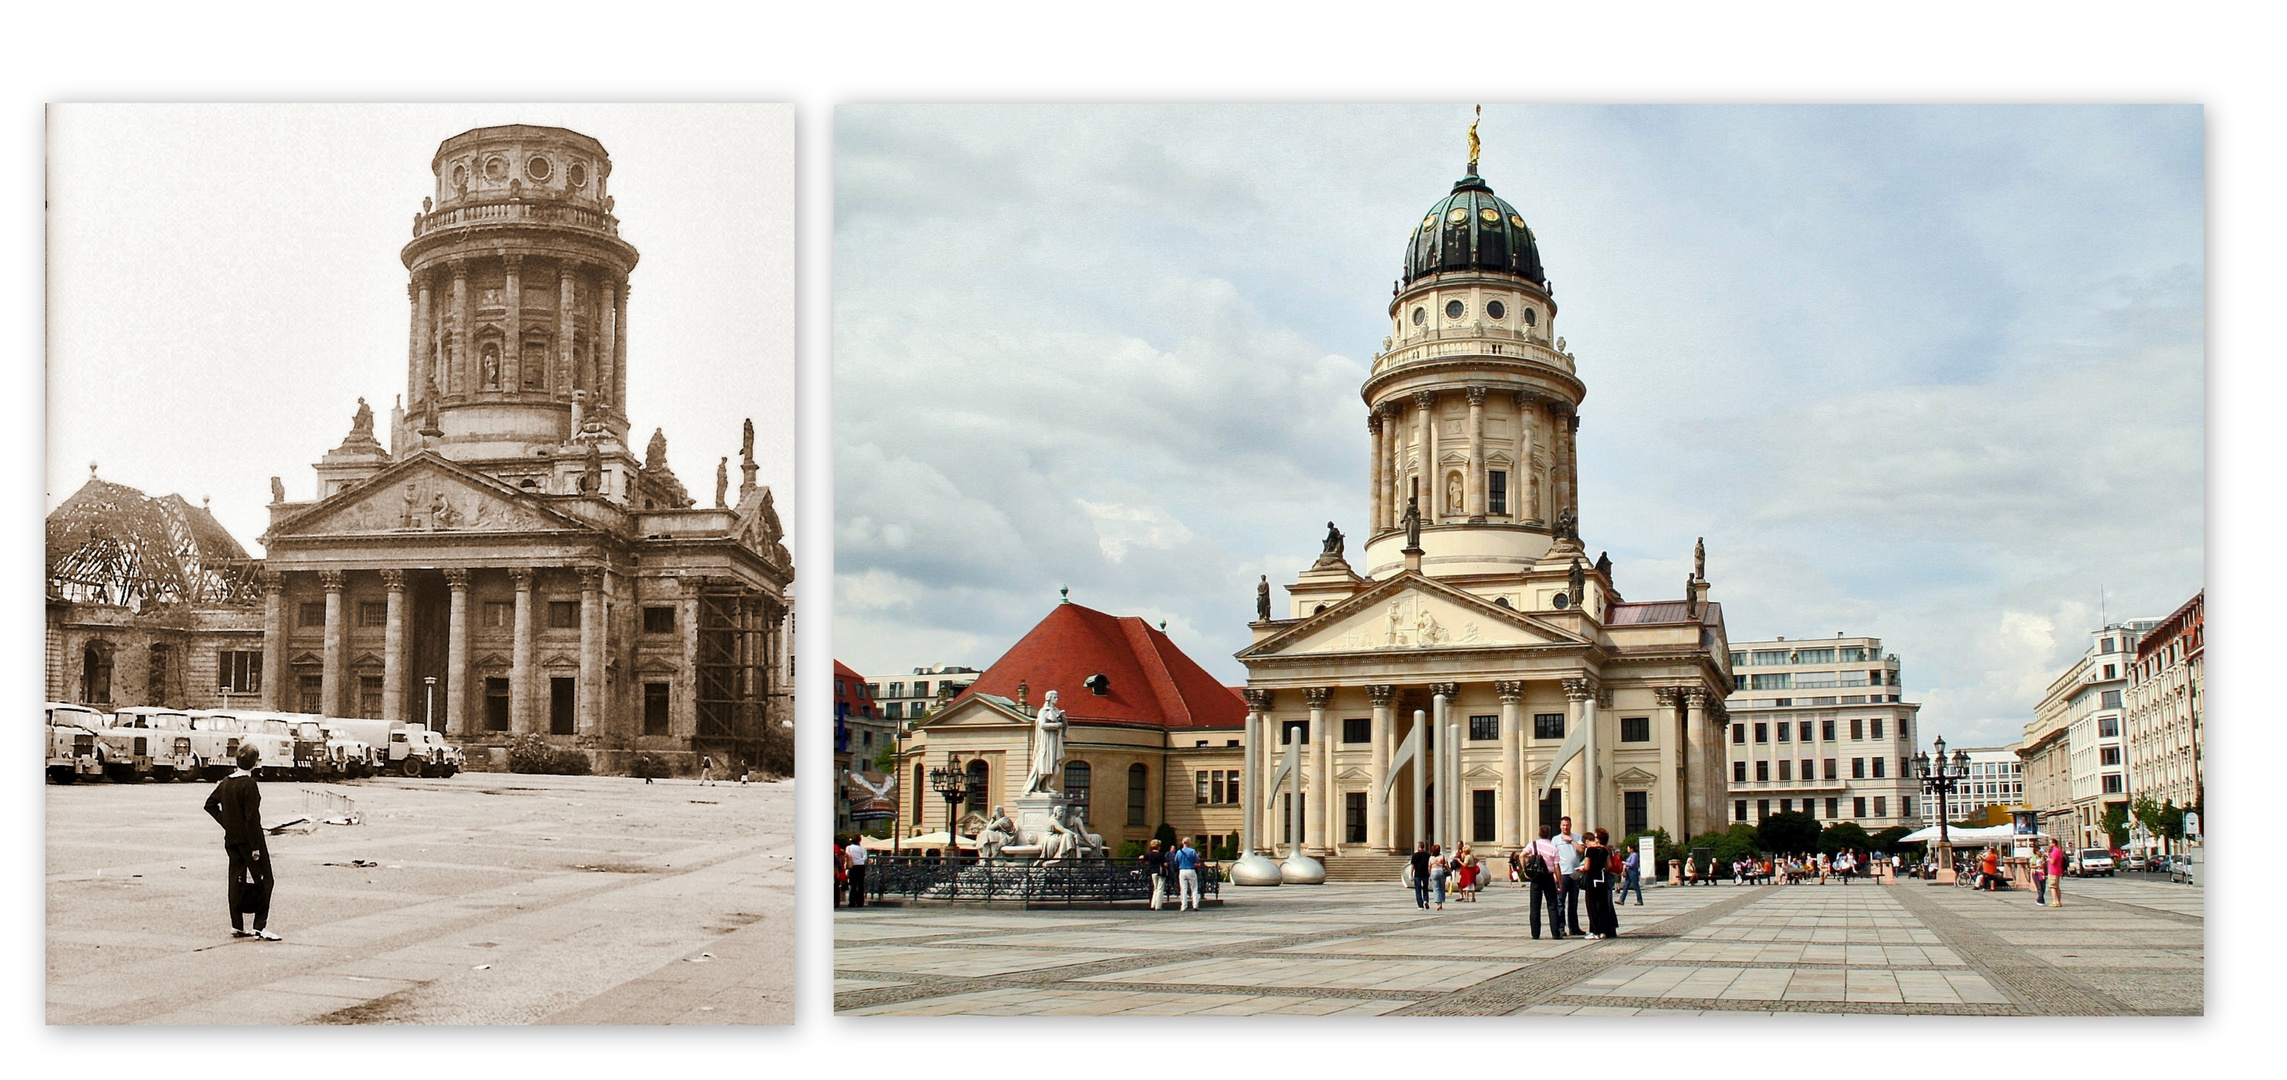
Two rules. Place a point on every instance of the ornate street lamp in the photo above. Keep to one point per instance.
(950, 781)
(1940, 777)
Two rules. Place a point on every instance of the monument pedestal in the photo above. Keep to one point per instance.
(1034, 812)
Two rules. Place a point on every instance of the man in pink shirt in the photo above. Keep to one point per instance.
(2057, 871)
(1541, 867)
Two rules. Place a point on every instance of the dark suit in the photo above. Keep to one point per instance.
(236, 804)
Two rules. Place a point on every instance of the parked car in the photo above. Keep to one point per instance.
(2091, 862)
(2182, 868)
(2134, 862)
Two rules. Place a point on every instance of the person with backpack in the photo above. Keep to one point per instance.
(1540, 877)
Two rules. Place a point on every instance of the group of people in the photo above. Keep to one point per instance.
(849, 872)
(1787, 869)
(1436, 875)
(1175, 871)
(1560, 868)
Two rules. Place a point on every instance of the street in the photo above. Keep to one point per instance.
(487, 898)
(2117, 947)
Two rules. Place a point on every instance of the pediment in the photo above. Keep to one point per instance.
(559, 660)
(306, 659)
(1481, 772)
(490, 660)
(1634, 776)
(1410, 613)
(657, 664)
(427, 494)
(973, 712)
(1353, 773)
(365, 660)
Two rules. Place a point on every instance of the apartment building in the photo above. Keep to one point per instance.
(1820, 727)
(920, 692)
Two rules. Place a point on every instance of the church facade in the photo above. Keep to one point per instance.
(1481, 676)
(508, 565)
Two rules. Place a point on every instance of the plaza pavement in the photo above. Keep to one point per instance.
(493, 899)
(2117, 947)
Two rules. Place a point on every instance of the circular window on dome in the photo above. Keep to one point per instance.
(1419, 314)
(1528, 316)
(538, 168)
(1495, 309)
(1489, 216)
(577, 174)
(1454, 308)
(496, 168)
(1457, 215)
(460, 176)
(1516, 221)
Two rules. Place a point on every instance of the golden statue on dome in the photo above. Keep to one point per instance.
(1473, 138)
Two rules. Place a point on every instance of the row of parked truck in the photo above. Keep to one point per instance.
(152, 743)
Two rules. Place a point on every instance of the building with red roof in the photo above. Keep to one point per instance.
(1152, 738)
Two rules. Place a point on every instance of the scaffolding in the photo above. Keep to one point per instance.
(733, 677)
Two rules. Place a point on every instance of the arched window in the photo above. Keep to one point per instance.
(979, 774)
(1139, 786)
(156, 675)
(920, 790)
(95, 673)
(1076, 782)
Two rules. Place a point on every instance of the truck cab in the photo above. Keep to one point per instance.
(147, 741)
(228, 730)
(74, 749)
(437, 756)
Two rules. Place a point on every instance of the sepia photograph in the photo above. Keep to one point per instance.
(1781, 588)
(419, 590)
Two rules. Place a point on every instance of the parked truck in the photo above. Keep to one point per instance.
(74, 750)
(391, 740)
(149, 742)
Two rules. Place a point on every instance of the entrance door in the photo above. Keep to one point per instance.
(561, 696)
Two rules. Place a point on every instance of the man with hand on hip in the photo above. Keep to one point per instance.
(236, 804)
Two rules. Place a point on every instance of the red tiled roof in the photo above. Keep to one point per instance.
(1152, 683)
(850, 692)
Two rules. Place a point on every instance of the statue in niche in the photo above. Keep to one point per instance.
(488, 367)
(277, 490)
(1263, 599)
(1699, 560)
(592, 474)
(722, 484)
(1453, 493)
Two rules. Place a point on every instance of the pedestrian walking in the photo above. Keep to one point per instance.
(1437, 872)
(1596, 874)
(1187, 875)
(1419, 865)
(856, 854)
(1541, 879)
(236, 804)
(746, 771)
(1632, 878)
(1155, 864)
(2057, 873)
(1568, 865)
(2040, 877)
(706, 770)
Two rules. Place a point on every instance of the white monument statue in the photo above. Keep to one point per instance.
(997, 834)
(1047, 745)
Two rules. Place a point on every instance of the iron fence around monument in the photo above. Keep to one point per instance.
(1030, 881)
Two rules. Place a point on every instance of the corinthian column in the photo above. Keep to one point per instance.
(456, 651)
(607, 312)
(1250, 776)
(618, 380)
(1426, 479)
(1393, 433)
(393, 649)
(1378, 803)
(273, 639)
(512, 345)
(1318, 765)
(567, 330)
(1375, 514)
(591, 685)
(330, 676)
(1580, 694)
(459, 368)
(1511, 824)
(520, 657)
(1524, 487)
(1476, 481)
(1697, 759)
(1447, 767)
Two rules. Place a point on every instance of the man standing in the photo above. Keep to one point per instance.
(706, 769)
(1421, 875)
(236, 803)
(856, 853)
(1187, 875)
(1540, 874)
(1568, 864)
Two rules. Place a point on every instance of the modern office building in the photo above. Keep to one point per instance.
(1820, 726)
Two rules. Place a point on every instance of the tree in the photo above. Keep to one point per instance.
(1791, 832)
(886, 761)
(2115, 824)
(1890, 839)
(1663, 850)
(1845, 836)
(1165, 834)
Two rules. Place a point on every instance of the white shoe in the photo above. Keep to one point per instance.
(267, 935)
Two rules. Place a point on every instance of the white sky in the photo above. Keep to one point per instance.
(224, 283)
(1930, 374)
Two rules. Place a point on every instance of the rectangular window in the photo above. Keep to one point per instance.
(1786, 730)
(1496, 492)
(1294, 731)
(2111, 672)
(1552, 808)
(1786, 769)
(1635, 729)
(561, 701)
(1806, 731)
(372, 614)
(369, 696)
(238, 672)
(1787, 806)
(920, 688)
(2112, 784)
(498, 614)
(1484, 728)
(1739, 810)
(313, 693)
(1852, 654)
(1739, 734)
(1858, 806)
(2109, 699)
(1810, 769)
(1833, 808)
(1878, 766)
(1857, 728)
(1548, 725)
(1874, 728)
(1762, 809)
(1881, 806)
(1354, 812)
(1831, 772)
(313, 614)
(563, 614)
(659, 619)
(1739, 682)
(919, 710)
(657, 717)
(1738, 659)
(1815, 656)
(1858, 770)
(1762, 733)
(1636, 815)
(1738, 772)
(1209, 787)
(1762, 772)
(897, 689)
(2108, 727)
(495, 703)
(1139, 795)
(2108, 755)
(2104, 645)
(895, 710)
(1780, 681)
(1770, 656)
(1357, 729)
(1905, 806)
(1481, 816)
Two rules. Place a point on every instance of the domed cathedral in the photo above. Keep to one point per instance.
(508, 565)
(1483, 675)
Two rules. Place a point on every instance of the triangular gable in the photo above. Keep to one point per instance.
(559, 660)
(428, 493)
(657, 664)
(306, 659)
(1408, 613)
(366, 660)
(491, 660)
(974, 710)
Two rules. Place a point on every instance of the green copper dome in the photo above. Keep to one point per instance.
(1473, 229)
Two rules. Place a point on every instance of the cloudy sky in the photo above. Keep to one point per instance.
(224, 284)
(1927, 373)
